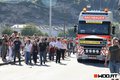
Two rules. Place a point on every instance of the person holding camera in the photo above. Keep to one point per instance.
(114, 56)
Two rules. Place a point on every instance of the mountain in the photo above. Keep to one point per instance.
(63, 12)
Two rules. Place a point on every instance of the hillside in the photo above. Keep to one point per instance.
(65, 11)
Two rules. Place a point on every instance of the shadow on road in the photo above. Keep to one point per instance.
(67, 60)
(46, 65)
(63, 64)
(95, 63)
(42, 65)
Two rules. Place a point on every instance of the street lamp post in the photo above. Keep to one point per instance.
(64, 22)
(50, 18)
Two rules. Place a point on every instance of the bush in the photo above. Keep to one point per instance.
(30, 30)
(7, 31)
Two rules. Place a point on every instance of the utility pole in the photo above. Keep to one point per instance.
(50, 18)
(64, 22)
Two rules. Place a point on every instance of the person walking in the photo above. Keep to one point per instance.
(114, 56)
(58, 46)
(27, 51)
(42, 49)
(35, 51)
(4, 48)
(17, 47)
(0, 46)
(47, 49)
(10, 51)
(70, 47)
(52, 49)
(64, 48)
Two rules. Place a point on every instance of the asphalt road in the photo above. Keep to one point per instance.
(69, 69)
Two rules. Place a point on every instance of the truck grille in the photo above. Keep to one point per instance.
(93, 42)
(92, 46)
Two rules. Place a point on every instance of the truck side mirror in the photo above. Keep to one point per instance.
(113, 30)
(75, 28)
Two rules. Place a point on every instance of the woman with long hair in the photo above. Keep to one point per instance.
(10, 51)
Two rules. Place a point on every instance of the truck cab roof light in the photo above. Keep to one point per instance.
(106, 10)
(84, 9)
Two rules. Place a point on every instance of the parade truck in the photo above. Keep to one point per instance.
(93, 34)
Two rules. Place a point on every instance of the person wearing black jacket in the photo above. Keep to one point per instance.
(114, 56)
(42, 49)
(58, 46)
(35, 51)
(17, 47)
(47, 44)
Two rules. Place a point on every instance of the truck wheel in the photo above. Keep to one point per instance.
(79, 60)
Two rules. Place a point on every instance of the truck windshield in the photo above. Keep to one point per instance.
(96, 29)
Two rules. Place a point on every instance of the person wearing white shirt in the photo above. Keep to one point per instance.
(58, 46)
(52, 49)
(64, 48)
(27, 50)
(10, 52)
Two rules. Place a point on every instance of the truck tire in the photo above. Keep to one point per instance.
(79, 60)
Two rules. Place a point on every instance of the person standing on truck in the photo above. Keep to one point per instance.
(114, 56)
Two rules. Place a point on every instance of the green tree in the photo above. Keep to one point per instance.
(117, 29)
(69, 33)
(46, 34)
(61, 34)
(7, 31)
(39, 33)
(29, 30)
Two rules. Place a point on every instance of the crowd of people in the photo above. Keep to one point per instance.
(34, 48)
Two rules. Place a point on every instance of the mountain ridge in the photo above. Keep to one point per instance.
(64, 12)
